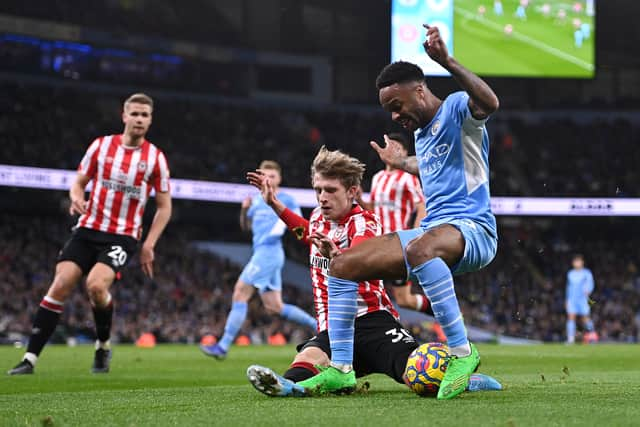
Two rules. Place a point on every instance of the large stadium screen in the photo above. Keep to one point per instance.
(509, 38)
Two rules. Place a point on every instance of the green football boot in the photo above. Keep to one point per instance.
(330, 380)
(459, 370)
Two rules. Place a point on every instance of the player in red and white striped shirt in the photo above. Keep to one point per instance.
(396, 197)
(123, 169)
(337, 225)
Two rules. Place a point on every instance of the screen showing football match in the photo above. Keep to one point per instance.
(508, 38)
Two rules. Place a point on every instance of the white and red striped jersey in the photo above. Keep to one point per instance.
(123, 178)
(358, 224)
(395, 195)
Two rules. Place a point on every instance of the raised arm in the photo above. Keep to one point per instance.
(295, 223)
(482, 100)
(392, 155)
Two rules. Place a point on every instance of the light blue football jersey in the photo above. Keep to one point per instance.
(453, 158)
(579, 284)
(266, 227)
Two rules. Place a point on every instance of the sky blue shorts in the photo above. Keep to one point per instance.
(579, 307)
(479, 249)
(264, 269)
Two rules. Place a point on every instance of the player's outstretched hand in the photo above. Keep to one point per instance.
(262, 183)
(326, 246)
(78, 206)
(435, 46)
(146, 260)
(391, 153)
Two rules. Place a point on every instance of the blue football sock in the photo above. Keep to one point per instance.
(571, 330)
(588, 325)
(437, 282)
(234, 322)
(296, 314)
(343, 308)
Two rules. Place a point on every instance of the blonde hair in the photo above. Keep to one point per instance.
(338, 165)
(139, 98)
(270, 164)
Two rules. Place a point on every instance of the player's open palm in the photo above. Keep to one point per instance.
(391, 153)
(325, 245)
(435, 46)
(262, 183)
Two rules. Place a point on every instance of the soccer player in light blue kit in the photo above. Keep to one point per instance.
(458, 234)
(579, 286)
(263, 271)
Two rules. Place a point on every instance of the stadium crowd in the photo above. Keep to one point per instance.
(52, 126)
(520, 294)
(187, 299)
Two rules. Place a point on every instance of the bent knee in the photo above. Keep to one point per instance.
(420, 252)
(273, 309)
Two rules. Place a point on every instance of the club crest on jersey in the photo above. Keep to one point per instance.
(435, 127)
(142, 165)
(109, 159)
(299, 232)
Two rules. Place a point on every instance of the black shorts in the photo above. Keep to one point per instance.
(87, 247)
(381, 345)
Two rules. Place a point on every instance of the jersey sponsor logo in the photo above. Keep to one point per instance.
(319, 262)
(128, 190)
(433, 159)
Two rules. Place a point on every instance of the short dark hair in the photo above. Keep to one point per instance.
(577, 256)
(399, 72)
(403, 139)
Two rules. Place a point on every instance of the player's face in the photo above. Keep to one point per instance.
(407, 104)
(273, 176)
(334, 199)
(577, 263)
(137, 119)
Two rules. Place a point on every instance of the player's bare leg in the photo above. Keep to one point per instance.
(571, 328)
(431, 256)
(242, 293)
(274, 305)
(99, 281)
(407, 299)
(66, 276)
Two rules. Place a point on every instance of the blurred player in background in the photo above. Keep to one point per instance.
(458, 235)
(124, 169)
(263, 272)
(397, 199)
(338, 225)
(579, 286)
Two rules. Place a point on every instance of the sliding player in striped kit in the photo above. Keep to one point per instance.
(124, 169)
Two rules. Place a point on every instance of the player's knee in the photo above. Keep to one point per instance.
(419, 252)
(97, 288)
(273, 309)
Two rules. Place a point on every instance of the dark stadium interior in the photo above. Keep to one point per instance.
(63, 85)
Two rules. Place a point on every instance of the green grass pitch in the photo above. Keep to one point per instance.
(545, 385)
(540, 46)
